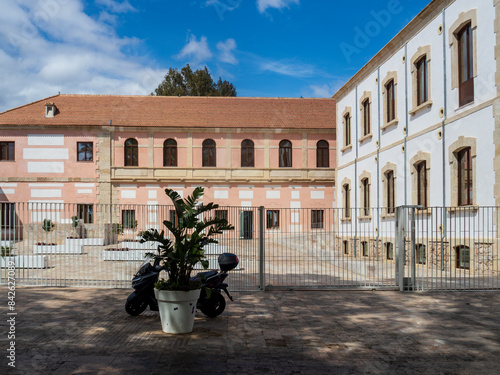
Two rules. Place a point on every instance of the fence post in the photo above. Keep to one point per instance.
(412, 248)
(400, 247)
(262, 279)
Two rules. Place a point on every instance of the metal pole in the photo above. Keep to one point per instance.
(262, 281)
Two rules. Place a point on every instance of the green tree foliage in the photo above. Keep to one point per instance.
(189, 83)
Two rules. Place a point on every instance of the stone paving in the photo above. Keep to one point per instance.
(86, 331)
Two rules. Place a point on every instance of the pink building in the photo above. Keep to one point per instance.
(90, 149)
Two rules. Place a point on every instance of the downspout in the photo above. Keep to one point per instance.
(378, 161)
(406, 123)
(443, 142)
(355, 182)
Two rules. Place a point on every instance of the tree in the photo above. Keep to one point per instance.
(189, 83)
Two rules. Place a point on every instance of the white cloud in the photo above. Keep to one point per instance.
(195, 51)
(116, 6)
(262, 5)
(326, 90)
(226, 51)
(52, 46)
(288, 68)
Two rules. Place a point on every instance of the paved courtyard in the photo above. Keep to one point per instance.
(86, 331)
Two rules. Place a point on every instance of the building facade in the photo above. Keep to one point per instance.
(126, 150)
(419, 125)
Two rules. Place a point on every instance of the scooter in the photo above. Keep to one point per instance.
(211, 301)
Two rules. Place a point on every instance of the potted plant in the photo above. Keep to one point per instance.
(177, 295)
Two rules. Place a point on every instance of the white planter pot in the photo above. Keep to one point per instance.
(25, 261)
(177, 309)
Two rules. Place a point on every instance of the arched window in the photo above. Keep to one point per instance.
(285, 154)
(170, 153)
(322, 154)
(247, 153)
(209, 154)
(131, 153)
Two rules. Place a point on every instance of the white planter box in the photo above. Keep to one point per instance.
(25, 261)
(150, 245)
(125, 255)
(56, 249)
(84, 241)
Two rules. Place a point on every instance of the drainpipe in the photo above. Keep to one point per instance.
(355, 183)
(378, 162)
(443, 142)
(406, 122)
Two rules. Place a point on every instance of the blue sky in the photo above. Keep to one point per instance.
(282, 48)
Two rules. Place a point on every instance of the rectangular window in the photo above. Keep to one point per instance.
(420, 254)
(389, 250)
(422, 95)
(462, 257)
(465, 66)
(345, 246)
(221, 214)
(366, 197)
(364, 248)
(366, 117)
(273, 219)
(317, 219)
(347, 130)
(422, 184)
(391, 110)
(128, 219)
(390, 192)
(7, 151)
(85, 151)
(347, 201)
(85, 213)
(7, 215)
(464, 177)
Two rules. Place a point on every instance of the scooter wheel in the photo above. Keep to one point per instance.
(135, 304)
(214, 305)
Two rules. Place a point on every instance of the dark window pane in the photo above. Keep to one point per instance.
(422, 95)
(7, 215)
(85, 151)
(247, 153)
(209, 153)
(322, 154)
(465, 65)
(317, 219)
(465, 177)
(366, 117)
(347, 135)
(273, 219)
(285, 154)
(86, 213)
(391, 115)
(7, 151)
(131, 153)
(128, 219)
(170, 153)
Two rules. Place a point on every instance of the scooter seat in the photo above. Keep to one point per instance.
(207, 274)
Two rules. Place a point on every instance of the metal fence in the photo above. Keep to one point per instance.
(58, 244)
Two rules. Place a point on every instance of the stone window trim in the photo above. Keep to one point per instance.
(421, 52)
(453, 150)
(347, 112)
(367, 95)
(387, 168)
(363, 176)
(463, 19)
(346, 182)
(385, 123)
(414, 161)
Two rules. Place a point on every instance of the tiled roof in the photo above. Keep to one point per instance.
(169, 111)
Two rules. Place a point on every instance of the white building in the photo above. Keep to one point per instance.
(419, 125)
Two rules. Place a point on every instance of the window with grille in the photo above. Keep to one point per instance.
(247, 153)
(462, 256)
(345, 246)
(364, 248)
(7, 215)
(221, 214)
(389, 250)
(131, 153)
(422, 184)
(420, 254)
(170, 153)
(209, 153)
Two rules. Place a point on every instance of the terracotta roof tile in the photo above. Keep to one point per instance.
(168, 111)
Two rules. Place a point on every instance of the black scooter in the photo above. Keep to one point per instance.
(211, 302)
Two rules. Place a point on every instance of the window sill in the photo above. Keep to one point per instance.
(389, 124)
(345, 219)
(427, 104)
(471, 208)
(388, 216)
(7, 161)
(423, 211)
(346, 148)
(367, 218)
(465, 106)
(365, 138)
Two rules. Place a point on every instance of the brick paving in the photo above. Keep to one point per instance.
(86, 331)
